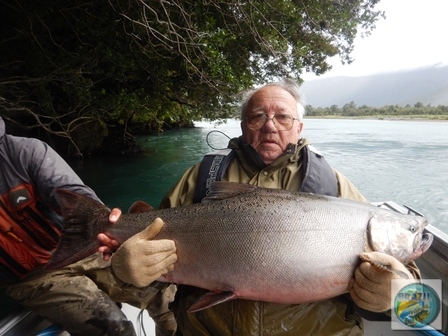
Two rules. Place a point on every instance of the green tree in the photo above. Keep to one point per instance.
(79, 69)
(418, 105)
(349, 109)
(334, 109)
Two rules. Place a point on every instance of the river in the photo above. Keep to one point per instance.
(388, 160)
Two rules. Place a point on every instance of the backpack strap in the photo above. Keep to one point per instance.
(211, 169)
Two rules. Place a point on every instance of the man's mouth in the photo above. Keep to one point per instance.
(267, 141)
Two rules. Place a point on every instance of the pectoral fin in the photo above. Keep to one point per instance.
(210, 299)
(386, 262)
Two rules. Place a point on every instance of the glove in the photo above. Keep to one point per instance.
(140, 260)
(371, 287)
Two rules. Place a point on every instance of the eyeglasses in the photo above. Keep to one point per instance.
(282, 122)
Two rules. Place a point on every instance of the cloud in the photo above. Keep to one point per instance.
(412, 36)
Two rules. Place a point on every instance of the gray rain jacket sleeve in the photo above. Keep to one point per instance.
(30, 171)
(28, 160)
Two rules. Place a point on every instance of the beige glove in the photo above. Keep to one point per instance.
(141, 260)
(371, 287)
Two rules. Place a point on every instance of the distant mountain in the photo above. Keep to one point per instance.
(426, 85)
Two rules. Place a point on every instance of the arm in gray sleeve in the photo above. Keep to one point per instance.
(49, 171)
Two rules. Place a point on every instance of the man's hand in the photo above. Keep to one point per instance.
(140, 260)
(371, 287)
(108, 245)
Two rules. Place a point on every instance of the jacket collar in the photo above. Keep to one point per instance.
(250, 159)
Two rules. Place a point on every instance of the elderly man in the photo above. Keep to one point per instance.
(270, 153)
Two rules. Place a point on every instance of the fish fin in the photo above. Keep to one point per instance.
(139, 207)
(211, 299)
(383, 262)
(83, 219)
(401, 274)
(390, 268)
(221, 190)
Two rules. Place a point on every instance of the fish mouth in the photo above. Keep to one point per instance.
(425, 243)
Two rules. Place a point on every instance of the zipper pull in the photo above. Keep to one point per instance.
(13, 236)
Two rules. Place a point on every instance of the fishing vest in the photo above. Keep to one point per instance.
(27, 236)
(318, 178)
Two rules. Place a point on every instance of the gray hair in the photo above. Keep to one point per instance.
(286, 84)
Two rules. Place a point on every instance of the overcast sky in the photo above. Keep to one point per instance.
(414, 34)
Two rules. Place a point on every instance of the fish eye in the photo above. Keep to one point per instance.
(412, 228)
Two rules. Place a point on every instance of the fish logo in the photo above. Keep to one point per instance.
(417, 306)
(20, 199)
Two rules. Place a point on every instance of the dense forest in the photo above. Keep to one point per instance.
(76, 73)
(418, 110)
(79, 74)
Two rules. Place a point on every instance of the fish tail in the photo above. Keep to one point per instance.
(83, 219)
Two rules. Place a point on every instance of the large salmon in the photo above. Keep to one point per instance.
(254, 243)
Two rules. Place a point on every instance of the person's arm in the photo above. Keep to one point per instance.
(348, 190)
(182, 193)
(49, 171)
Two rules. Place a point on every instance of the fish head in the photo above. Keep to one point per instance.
(401, 236)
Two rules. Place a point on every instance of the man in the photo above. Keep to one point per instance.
(270, 153)
(80, 297)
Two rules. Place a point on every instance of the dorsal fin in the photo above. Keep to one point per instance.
(222, 190)
(139, 207)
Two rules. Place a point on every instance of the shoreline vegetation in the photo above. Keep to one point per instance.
(418, 111)
(423, 117)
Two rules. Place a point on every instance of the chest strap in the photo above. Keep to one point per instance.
(318, 178)
(212, 168)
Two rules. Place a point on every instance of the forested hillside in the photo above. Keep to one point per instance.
(426, 86)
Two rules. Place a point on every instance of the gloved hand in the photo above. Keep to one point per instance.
(140, 260)
(110, 245)
(371, 287)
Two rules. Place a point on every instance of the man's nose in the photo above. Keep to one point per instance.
(269, 124)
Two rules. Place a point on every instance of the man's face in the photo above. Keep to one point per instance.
(269, 142)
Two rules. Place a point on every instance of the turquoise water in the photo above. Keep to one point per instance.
(401, 161)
